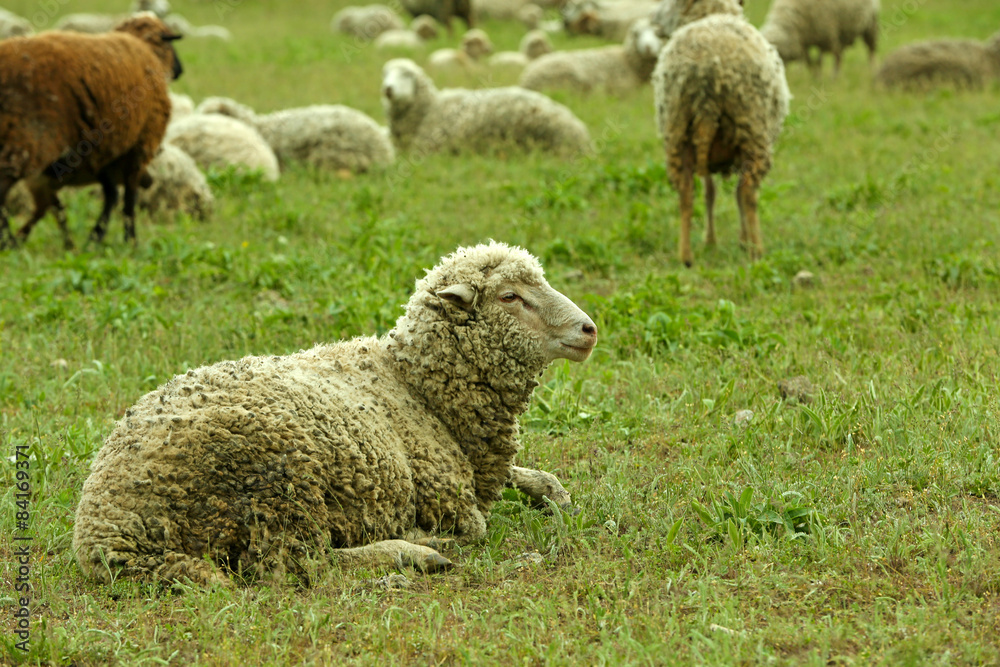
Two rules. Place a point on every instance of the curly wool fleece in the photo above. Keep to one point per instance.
(259, 461)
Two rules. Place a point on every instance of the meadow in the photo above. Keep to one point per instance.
(858, 527)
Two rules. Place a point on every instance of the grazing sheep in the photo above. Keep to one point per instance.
(367, 22)
(218, 141)
(534, 44)
(531, 16)
(354, 447)
(673, 14)
(424, 120)
(178, 186)
(327, 137)
(98, 106)
(611, 69)
(12, 25)
(610, 20)
(186, 28)
(721, 98)
(795, 26)
(426, 27)
(475, 45)
(91, 24)
(180, 105)
(960, 63)
(442, 11)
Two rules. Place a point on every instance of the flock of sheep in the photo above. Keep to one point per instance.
(373, 448)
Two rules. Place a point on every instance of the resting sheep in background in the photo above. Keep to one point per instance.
(721, 98)
(610, 20)
(610, 69)
(99, 109)
(424, 120)
(960, 63)
(219, 141)
(359, 446)
(796, 26)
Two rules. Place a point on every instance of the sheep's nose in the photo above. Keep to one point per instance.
(590, 329)
(387, 91)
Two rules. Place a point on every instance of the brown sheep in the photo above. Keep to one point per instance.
(98, 109)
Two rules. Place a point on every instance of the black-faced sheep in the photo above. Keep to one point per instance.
(424, 120)
(721, 98)
(357, 447)
(610, 69)
(796, 26)
(959, 63)
(98, 106)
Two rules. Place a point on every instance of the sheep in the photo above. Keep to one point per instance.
(217, 141)
(613, 69)
(426, 27)
(475, 45)
(424, 120)
(177, 185)
(99, 108)
(91, 24)
(721, 98)
(534, 44)
(610, 20)
(180, 105)
(960, 63)
(367, 22)
(12, 25)
(228, 107)
(673, 14)
(363, 447)
(398, 39)
(327, 137)
(524, 11)
(795, 26)
(442, 11)
(184, 27)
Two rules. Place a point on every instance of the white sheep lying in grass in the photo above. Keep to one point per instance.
(721, 98)
(534, 44)
(217, 141)
(424, 120)
(475, 45)
(366, 22)
(608, 19)
(611, 69)
(959, 63)
(796, 26)
(353, 449)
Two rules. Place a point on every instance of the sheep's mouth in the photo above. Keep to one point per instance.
(578, 352)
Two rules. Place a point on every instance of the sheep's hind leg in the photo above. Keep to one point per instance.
(394, 554)
(538, 485)
(709, 211)
(110, 191)
(685, 189)
(746, 197)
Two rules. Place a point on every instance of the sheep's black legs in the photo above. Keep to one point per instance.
(685, 188)
(110, 191)
(709, 211)
(131, 194)
(7, 239)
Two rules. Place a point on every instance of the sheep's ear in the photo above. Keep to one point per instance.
(463, 296)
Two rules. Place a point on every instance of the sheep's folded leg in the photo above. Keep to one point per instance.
(393, 554)
(538, 485)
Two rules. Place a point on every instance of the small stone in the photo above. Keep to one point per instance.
(798, 388)
(804, 279)
(743, 418)
(390, 582)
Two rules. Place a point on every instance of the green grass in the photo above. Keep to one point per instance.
(860, 528)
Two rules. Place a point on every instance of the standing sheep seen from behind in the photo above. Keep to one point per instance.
(99, 108)
(721, 98)
(366, 450)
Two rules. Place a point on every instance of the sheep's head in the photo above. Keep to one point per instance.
(674, 14)
(158, 35)
(402, 81)
(504, 288)
(536, 44)
(476, 44)
(643, 40)
(426, 27)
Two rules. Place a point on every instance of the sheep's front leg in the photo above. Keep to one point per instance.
(393, 554)
(685, 189)
(538, 485)
(709, 211)
(746, 192)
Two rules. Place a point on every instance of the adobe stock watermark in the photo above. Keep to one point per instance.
(21, 564)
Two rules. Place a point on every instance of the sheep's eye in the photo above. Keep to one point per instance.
(510, 297)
